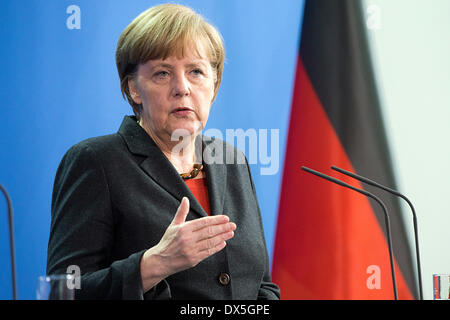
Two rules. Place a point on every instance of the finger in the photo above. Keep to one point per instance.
(210, 251)
(182, 212)
(211, 243)
(214, 230)
(204, 222)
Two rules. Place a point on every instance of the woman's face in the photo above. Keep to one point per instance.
(175, 94)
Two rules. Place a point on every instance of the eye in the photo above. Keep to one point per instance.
(161, 74)
(197, 72)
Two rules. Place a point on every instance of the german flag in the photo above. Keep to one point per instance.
(330, 241)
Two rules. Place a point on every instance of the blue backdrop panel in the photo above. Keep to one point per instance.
(60, 86)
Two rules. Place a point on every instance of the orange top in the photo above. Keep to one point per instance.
(200, 190)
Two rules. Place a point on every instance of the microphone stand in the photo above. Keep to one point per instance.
(11, 241)
(383, 206)
(416, 237)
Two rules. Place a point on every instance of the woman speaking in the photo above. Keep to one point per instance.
(156, 210)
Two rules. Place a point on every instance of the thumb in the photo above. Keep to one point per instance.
(182, 212)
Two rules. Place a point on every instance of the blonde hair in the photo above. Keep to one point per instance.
(163, 31)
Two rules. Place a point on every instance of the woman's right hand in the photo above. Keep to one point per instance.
(184, 245)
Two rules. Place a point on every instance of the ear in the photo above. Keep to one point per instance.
(132, 88)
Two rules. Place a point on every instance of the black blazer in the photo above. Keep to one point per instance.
(113, 198)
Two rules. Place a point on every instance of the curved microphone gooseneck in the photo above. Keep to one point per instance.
(11, 242)
(398, 194)
(383, 206)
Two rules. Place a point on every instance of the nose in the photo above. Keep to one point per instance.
(180, 86)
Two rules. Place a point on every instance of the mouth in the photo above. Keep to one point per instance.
(182, 111)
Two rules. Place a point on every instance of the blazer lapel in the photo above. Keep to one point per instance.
(156, 164)
(216, 175)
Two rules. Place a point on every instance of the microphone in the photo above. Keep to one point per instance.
(11, 242)
(398, 194)
(383, 206)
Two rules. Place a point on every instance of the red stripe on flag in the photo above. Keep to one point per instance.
(327, 236)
